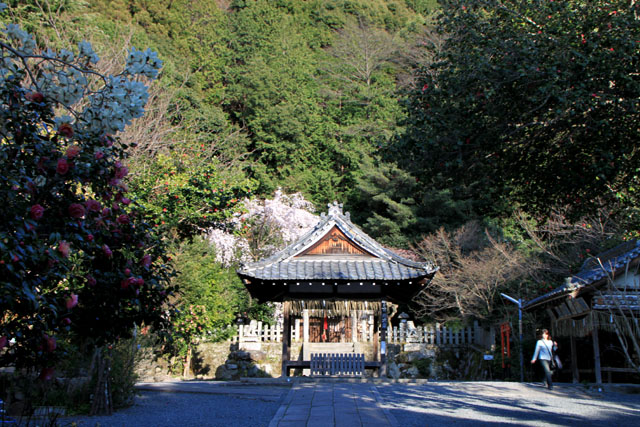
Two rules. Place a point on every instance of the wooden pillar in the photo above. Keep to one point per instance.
(354, 326)
(286, 337)
(574, 359)
(383, 339)
(596, 350)
(305, 320)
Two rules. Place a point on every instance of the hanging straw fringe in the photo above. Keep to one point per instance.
(603, 320)
(335, 308)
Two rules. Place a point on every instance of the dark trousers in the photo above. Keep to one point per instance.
(547, 372)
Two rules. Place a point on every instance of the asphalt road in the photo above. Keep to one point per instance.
(199, 403)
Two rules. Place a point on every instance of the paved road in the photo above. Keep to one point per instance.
(340, 403)
(501, 403)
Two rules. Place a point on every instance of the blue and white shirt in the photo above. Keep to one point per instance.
(543, 350)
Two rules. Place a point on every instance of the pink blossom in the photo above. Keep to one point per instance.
(125, 283)
(92, 205)
(63, 166)
(98, 155)
(91, 281)
(73, 151)
(121, 172)
(107, 251)
(126, 201)
(36, 212)
(48, 343)
(76, 210)
(65, 130)
(72, 301)
(3, 342)
(64, 248)
(34, 97)
(123, 219)
(146, 261)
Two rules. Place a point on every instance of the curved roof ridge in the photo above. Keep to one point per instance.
(336, 217)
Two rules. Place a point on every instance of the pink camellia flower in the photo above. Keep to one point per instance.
(48, 343)
(146, 261)
(76, 210)
(107, 251)
(3, 342)
(66, 130)
(98, 155)
(92, 205)
(73, 151)
(107, 140)
(90, 237)
(139, 281)
(72, 301)
(127, 272)
(63, 166)
(126, 201)
(34, 97)
(46, 374)
(129, 281)
(123, 219)
(121, 172)
(106, 212)
(64, 248)
(36, 212)
(66, 321)
(91, 281)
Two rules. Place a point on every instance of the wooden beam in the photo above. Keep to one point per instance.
(574, 359)
(596, 350)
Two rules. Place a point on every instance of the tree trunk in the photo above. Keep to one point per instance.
(187, 363)
(102, 403)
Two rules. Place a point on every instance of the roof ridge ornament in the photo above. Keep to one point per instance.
(335, 208)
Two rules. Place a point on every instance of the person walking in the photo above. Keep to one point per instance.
(544, 351)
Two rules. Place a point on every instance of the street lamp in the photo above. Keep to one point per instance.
(518, 302)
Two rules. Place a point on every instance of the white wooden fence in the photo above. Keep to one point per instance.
(436, 334)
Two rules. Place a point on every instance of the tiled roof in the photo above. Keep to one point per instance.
(593, 271)
(381, 264)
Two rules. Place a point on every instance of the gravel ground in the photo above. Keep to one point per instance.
(157, 409)
(466, 404)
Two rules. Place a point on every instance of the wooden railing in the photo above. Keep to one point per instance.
(436, 334)
(347, 364)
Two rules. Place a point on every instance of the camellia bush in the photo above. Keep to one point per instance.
(76, 255)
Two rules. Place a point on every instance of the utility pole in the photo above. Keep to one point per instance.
(518, 302)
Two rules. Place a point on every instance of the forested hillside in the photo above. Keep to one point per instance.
(293, 94)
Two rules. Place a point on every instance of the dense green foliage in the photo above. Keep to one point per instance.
(531, 102)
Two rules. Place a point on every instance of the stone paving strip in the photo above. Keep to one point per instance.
(332, 404)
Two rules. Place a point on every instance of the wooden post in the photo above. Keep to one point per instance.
(596, 350)
(383, 339)
(354, 327)
(305, 320)
(574, 359)
(286, 337)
